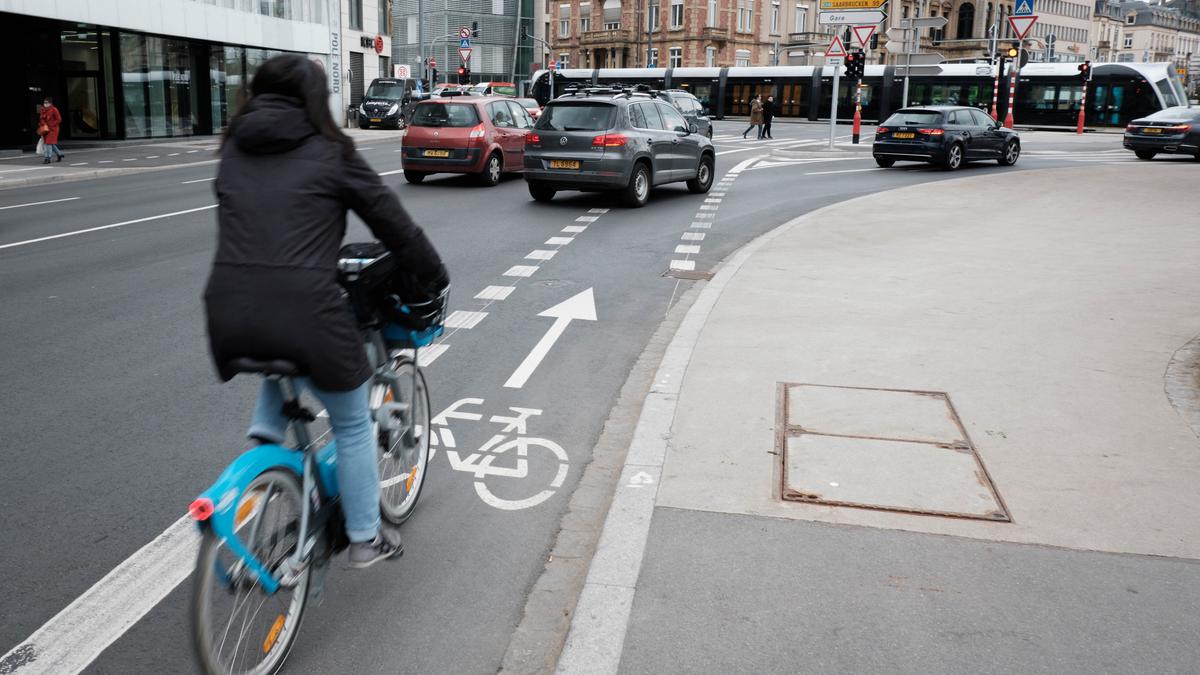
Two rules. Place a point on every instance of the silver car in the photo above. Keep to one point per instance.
(625, 142)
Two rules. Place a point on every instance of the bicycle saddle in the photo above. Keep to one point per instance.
(272, 367)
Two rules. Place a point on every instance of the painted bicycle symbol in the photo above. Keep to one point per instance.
(496, 459)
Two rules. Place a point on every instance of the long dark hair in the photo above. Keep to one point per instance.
(296, 77)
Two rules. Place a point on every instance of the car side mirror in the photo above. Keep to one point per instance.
(693, 129)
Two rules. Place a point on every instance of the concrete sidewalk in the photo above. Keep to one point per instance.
(1017, 370)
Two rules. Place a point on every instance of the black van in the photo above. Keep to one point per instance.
(389, 102)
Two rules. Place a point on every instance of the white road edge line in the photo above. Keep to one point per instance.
(822, 173)
(601, 618)
(107, 227)
(78, 634)
(51, 201)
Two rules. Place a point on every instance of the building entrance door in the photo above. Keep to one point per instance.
(82, 113)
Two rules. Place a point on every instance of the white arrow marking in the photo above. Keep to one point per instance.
(581, 306)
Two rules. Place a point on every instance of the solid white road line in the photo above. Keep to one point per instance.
(464, 319)
(29, 168)
(495, 293)
(198, 180)
(727, 152)
(821, 173)
(540, 254)
(78, 634)
(52, 201)
(107, 227)
(521, 271)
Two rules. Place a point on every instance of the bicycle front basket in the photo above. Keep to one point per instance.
(414, 324)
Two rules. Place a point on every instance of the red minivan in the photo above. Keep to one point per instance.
(483, 136)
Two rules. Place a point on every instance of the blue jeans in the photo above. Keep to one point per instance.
(357, 465)
(48, 148)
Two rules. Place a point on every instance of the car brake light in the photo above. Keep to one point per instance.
(1130, 127)
(1179, 128)
(610, 141)
(932, 132)
(531, 137)
(881, 130)
(201, 509)
(477, 132)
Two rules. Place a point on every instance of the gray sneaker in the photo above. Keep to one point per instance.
(386, 545)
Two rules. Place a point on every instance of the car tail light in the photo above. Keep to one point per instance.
(932, 132)
(1130, 128)
(477, 132)
(1179, 128)
(201, 509)
(531, 137)
(880, 131)
(610, 141)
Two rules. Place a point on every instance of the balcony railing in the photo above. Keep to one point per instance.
(714, 33)
(605, 37)
(808, 39)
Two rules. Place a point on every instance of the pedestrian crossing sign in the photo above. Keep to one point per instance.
(1024, 8)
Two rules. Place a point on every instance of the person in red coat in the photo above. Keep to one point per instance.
(49, 120)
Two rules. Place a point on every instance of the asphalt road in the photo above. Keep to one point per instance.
(114, 420)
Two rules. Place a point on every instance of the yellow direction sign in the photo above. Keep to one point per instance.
(827, 5)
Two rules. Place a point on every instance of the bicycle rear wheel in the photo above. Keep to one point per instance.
(404, 447)
(237, 626)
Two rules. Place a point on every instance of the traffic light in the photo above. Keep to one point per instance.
(475, 29)
(874, 41)
(1085, 71)
(1012, 52)
(464, 75)
(854, 64)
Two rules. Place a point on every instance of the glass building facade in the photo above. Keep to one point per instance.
(111, 83)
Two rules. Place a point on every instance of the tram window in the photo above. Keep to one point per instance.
(1168, 94)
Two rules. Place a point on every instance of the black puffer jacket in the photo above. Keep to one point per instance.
(284, 190)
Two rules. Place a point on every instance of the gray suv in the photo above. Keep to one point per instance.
(595, 140)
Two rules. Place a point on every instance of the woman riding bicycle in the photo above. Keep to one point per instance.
(286, 179)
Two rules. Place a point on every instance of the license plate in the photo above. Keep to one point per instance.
(564, 164)
(1151, 130)
(437, 153)
(904, 134)
(376, 119)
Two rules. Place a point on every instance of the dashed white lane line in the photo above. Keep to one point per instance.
(685, 265)
(685, 249)
(391, 173)
(521, 271)
(821, 173)
(190, 152)
(152, 157)
(464, 319)
(50, 201)
(704, 214)
(587, 219)
(559, 241)
(702, 226)
(574, 229)
(107, 227)
(693, 236)
(79, 164)
(129, 159)
(713, 200)
(540, 254)
(173, 154)
(427, 355)
(198, 180)
(598, 211)
(495, 293)
(105, 161)
(365, 149)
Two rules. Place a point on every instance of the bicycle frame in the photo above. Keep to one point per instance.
(317, 471)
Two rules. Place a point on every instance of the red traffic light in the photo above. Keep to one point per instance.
(462, 71)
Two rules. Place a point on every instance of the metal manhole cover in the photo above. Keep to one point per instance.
(886, 449)
(691, 275)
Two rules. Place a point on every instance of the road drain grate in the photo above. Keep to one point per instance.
(690, 275)
(885, 449)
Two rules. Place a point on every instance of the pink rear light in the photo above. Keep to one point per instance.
(201, 509)
(610, 141)
(1179, 128)
(932, 132)
(477, 132)
(533, 138)
(881, 131)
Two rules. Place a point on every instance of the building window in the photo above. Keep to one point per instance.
(966, 21)
(652, 16)
(675, 54)
(653, 58)
(801, 18)
(612, 14)
(742, 58)
(384, 15)
(745, 22)
(585, 17)
(1130, 19)
(775, 18)
(676, 13)
(384, 70)
(712, 13)
(710, 57)
(564, 60)
(356, 14)
(1128, 42)
(564, 21)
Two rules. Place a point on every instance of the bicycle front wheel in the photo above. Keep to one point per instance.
(402, 440)
(237, 626)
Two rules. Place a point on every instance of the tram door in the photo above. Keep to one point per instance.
(791, 101)
(740, 95)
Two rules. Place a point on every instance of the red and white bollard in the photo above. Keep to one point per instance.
(857, 114)
(996, 91)
(1082, 110)
(1012, 99)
